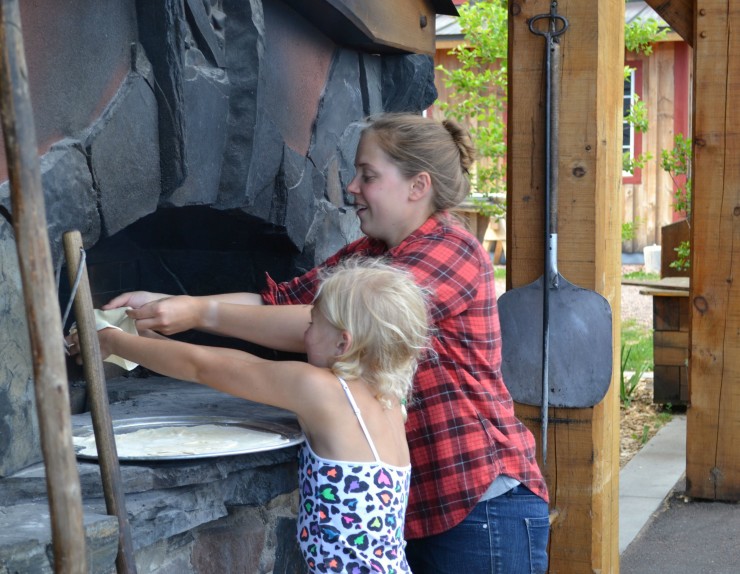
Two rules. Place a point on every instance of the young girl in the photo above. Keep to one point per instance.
(368, 327)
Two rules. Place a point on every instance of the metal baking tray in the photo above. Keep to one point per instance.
(288, 435)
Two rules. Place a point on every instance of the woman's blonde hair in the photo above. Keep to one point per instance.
(386, 313)
(444, 150)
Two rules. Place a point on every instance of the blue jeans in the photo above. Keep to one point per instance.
(507, 534)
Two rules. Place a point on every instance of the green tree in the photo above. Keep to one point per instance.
(478, 95)
(640, 35)
(677, 162)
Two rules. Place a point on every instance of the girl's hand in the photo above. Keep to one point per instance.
(72, 347)
(72, 344)
(105, 338)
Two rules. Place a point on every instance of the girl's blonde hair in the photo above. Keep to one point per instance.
(386, 313)
(444, 150)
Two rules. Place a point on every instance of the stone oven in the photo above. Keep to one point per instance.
(196, 145)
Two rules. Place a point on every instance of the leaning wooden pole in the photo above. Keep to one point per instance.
(42, 305)
(110, 470)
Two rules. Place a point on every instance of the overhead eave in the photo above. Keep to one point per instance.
(679, 14)
(377, 26)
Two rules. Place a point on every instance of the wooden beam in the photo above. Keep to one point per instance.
(679, 14)
(385, 26)
(713, 421)
(583, 453)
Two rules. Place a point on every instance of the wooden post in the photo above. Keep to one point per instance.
(583, 454)
(42, 305)
(110, 470)
(713, 421)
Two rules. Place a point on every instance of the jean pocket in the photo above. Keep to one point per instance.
(538, 532)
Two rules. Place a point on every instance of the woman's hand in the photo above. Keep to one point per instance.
(170, 315)
(133, 299)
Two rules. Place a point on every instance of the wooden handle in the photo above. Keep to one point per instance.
(105, 443)
(41, 301)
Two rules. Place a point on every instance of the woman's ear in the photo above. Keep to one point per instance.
(421, 186)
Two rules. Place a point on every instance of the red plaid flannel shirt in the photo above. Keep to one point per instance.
(461, 428)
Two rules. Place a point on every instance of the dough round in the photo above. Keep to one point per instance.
(180, 440)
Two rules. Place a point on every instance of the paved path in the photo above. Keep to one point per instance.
(662, 531)
(649, 477)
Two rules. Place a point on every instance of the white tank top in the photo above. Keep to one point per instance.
(352, 514)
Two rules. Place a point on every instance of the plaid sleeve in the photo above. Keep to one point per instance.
(302, 289)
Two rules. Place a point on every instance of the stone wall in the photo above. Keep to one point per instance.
(188, 515)
(195, 145)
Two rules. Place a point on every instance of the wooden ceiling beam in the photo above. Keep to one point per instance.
(679, 14)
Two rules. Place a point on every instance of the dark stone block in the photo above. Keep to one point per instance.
(245, 31)
(206, 28)
(124, 155)
(288, 557)
(340, 106)
(332, 229)
(408, 83)
(19, 439)
(25, 539)
(69, 195)
(371, 73)
(161, 26)
(261, 191)
(206, 105)
(232, 547)
(299, 209)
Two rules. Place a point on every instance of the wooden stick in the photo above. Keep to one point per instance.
(41, 302)
(110, 470)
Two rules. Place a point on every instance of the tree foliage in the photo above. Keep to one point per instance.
(478, 95)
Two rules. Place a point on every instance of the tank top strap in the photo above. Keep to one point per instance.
(356, 409)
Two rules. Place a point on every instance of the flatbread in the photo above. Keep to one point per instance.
(180, 440)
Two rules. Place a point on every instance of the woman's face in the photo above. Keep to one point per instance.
(322, 340)
(382, 195)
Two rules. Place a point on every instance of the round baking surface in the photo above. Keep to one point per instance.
(188, 437)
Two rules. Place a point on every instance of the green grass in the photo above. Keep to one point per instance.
(642, 276)
(638, 339)
(499, 271)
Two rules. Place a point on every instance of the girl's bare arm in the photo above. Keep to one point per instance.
(287, 384)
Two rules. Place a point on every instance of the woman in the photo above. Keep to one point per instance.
(478, 501)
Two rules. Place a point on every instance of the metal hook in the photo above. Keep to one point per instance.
(557, 24)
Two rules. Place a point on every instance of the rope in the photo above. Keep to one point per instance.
(73, 293)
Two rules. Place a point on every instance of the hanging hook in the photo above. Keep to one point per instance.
(557, 24)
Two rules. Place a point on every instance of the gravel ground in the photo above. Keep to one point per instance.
(636, 306)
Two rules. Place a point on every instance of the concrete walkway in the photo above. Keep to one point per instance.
(649, 477)
(661, 529)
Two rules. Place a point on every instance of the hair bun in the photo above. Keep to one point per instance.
(463, 141)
